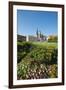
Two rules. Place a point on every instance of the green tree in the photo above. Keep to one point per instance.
(52, 38)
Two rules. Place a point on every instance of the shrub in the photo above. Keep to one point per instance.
(44, 55)
(26, 70)
(22, 69)
(23, 48)
(52, 71)
(20, 55)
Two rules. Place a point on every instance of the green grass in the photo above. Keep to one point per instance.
(46, 44)
(42, 44)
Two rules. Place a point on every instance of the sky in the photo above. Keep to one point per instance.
(29, 21)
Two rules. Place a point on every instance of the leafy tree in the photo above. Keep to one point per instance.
(52, 38)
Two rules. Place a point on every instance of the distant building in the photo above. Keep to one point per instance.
(21, 38)
(38, 37)
(32, 38)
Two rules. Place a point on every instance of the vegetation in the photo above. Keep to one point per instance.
(23, 48)
(36, 60)
(52, 39)
(45, 44)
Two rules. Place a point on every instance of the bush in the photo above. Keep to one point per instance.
(20, 55)
(23, 48)
(23, 68)
(52, 71)
(26, 70)
(43, 55)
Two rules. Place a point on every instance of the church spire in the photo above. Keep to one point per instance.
(37, 33)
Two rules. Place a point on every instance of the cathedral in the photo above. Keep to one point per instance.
(40, 36)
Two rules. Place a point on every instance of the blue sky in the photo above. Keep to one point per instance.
(28, 21)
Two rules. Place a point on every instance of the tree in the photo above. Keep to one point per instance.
(53, 38)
